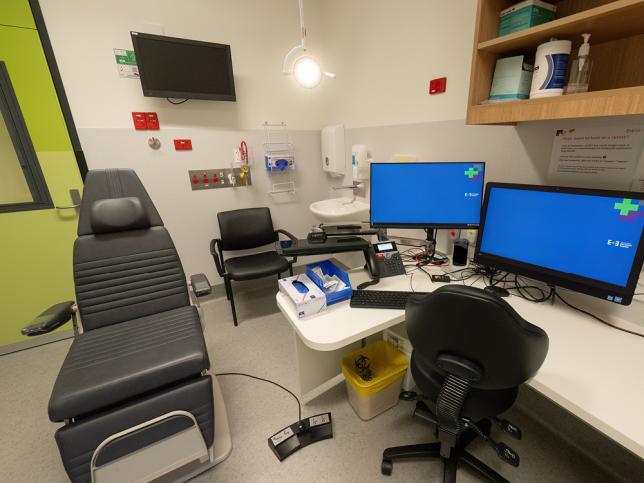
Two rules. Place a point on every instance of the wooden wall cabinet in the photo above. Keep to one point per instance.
(617, 49)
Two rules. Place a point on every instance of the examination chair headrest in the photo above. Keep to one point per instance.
(115, 200)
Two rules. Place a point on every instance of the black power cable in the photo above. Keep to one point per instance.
(176, 103)
(299, 405)
(595, 317)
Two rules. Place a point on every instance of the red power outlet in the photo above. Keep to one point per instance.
(182, 144)
(140, 122)
(437, 86)
(152, 121)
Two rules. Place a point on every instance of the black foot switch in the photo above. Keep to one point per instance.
(506, 453)
(301, 434)
(502, 450)
(508, 427)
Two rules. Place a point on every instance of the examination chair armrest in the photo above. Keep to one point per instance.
(200, 284)
(52, 318)
(217, 255)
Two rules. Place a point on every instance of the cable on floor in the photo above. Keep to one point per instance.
(299, 405)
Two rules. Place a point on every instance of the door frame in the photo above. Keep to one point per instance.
(41, 28)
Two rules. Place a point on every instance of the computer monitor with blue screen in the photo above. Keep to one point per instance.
(426, 195)
(587, 240)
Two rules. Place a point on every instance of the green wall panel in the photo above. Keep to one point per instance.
(36, 246)
(36, 258)
(16, 13)
(22, 52)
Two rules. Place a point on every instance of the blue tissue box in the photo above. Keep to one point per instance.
(329, 268)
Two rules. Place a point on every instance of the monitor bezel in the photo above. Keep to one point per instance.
(424, 225)
(182, 94)
(578, 283)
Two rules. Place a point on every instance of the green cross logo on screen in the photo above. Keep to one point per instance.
(471, 172)
(626, 206)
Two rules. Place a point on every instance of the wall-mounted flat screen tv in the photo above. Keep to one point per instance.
(184, 69)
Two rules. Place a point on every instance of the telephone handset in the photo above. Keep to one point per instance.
(372, 265)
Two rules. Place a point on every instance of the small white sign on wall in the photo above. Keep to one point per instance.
(596, 157)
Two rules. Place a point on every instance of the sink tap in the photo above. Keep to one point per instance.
(356, 185)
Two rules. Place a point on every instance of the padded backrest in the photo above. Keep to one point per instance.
(246, 228)
(472, 324)
(125, 264)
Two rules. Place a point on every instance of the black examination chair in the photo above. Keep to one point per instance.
(134, 391)
(471, 351)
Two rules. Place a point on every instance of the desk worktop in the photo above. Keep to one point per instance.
(592, 370)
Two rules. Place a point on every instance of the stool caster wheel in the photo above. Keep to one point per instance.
(386, 467)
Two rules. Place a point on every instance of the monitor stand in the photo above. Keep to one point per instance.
(428, 243)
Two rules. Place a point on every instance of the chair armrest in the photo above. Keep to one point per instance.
(217, 255)
(52, 318)
(288, 234)
(291, 237)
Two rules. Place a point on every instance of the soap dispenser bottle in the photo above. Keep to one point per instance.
(580, 69)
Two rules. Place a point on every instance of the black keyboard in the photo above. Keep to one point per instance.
(381, 299)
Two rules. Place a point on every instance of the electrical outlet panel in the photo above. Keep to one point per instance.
(208, 179)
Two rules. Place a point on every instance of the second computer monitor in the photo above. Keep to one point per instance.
(426, 195)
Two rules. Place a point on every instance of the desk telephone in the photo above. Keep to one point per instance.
(383, 260)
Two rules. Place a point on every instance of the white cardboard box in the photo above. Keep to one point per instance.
(306, 297)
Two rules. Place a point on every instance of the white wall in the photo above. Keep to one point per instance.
(386, 52)
(85, 32)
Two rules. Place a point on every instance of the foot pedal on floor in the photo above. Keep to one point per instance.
(507, 454)
(301, 434)
(508, 427)
(503, 451)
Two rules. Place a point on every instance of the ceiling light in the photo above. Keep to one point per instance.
(306, 69)
(307, 72)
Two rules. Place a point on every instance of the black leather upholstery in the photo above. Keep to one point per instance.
(246, 228)
(142, 353)
(115, 363)
(113, 183)
(118, 214)
(249, 267)
(78, 441)
(126, 275)
(477, 326)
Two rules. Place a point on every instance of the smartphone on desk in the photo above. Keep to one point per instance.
(383, 260)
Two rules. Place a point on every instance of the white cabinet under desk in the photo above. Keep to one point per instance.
(592, 370)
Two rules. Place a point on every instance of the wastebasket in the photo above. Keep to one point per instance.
(373, 377)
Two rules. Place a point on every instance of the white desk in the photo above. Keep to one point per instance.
(591, 370)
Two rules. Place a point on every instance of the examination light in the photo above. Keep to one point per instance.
(305, 68)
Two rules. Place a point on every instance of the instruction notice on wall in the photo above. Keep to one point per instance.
(126, 63)
(597, 157)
